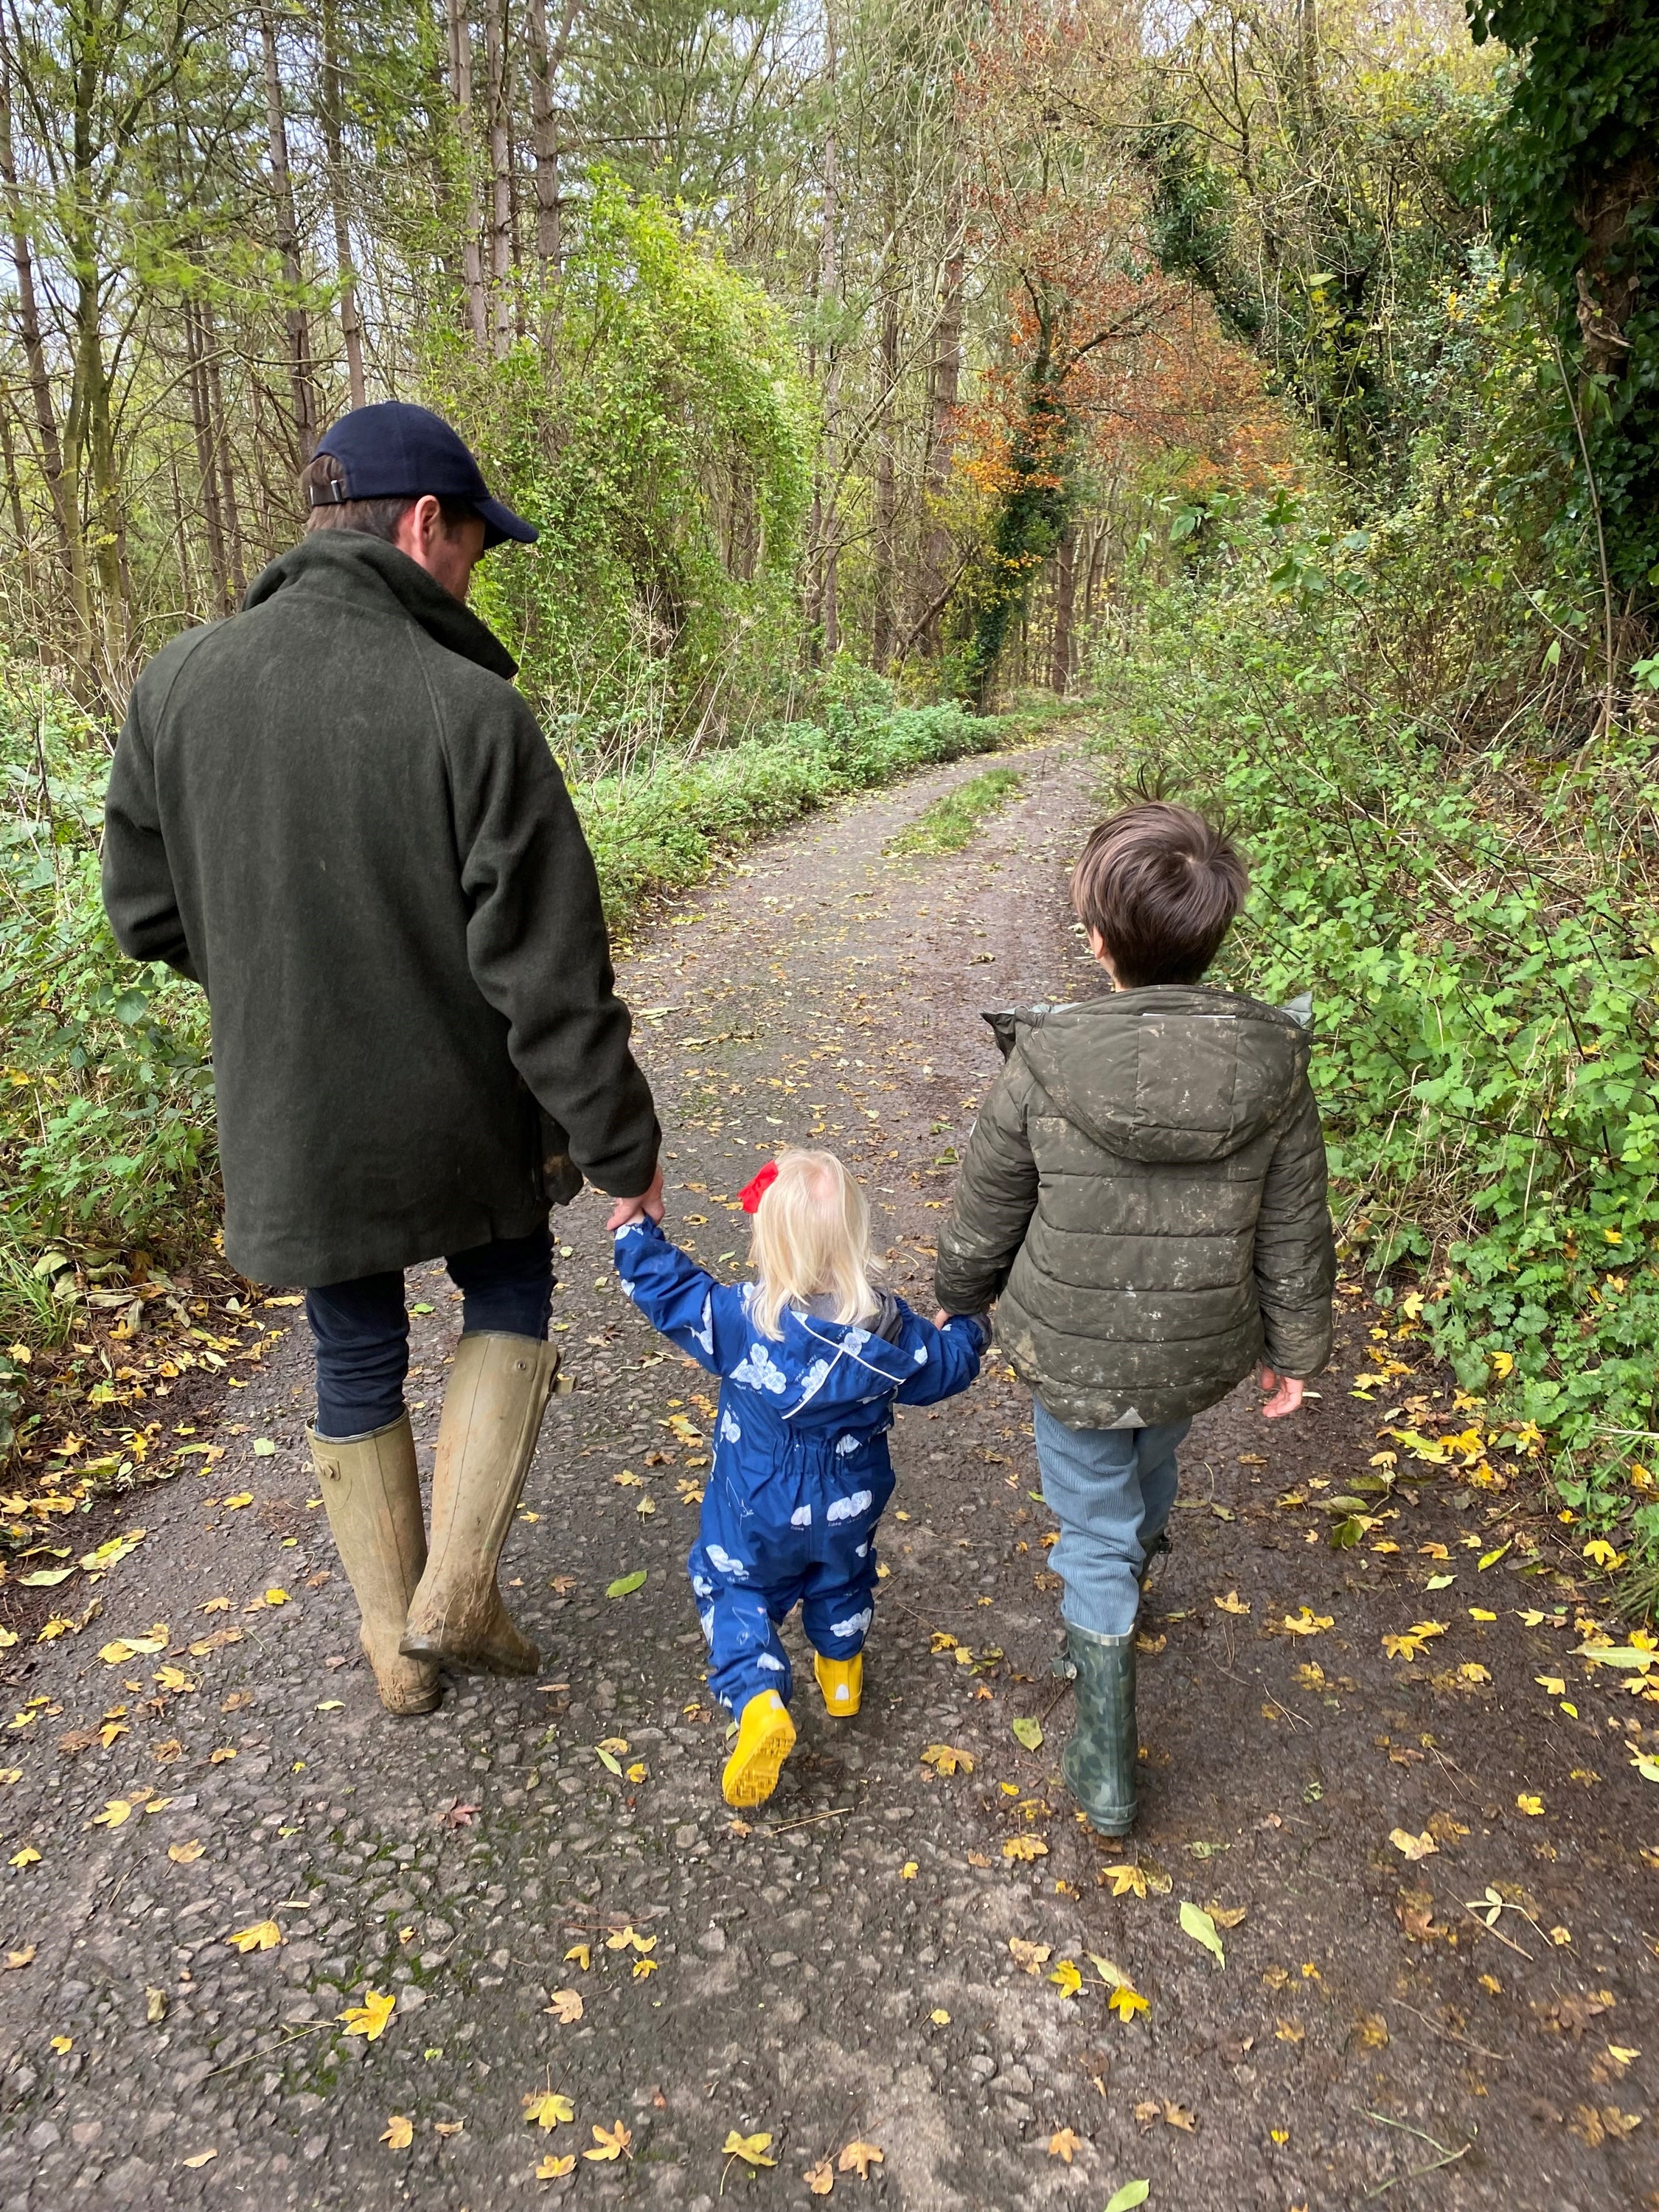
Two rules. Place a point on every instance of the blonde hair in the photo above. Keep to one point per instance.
(812, 1240)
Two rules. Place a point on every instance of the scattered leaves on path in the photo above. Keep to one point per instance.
(1064, 2144)
(553, 2168)
(859, 2158)
(1033, 1957)
(545, 2108)
(566, 2007)
(945, 1759)
(1067, 1977)
(612, 2141)
(1412, 1847)
(399, 2131)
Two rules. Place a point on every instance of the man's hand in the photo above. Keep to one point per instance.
(1285, 1394)
(647, 1204)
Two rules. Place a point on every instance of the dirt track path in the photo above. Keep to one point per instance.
(841, 1972)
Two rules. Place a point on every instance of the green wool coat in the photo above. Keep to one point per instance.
(334, 813)
(1144, 1198)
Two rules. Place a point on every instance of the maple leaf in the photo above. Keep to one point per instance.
(1412, 1847)
(554, 2169)
(369, 2019)
(399, 2132)
(1067, 1977)
(610, 2143)
(1063, 2144)
(1126, 2003)
(1177, 2116)
(15, 1960)
(456, 1815)
(945, 1759)
(751, 2149)
(566, 2007)
(545, 2108)
(114, 1813)
(261, 1935)
(1125, 1880)
(1025, 1847)
(1306, 1622)
(1033, 1957)
(642, 1967)
(581, 1953)
(1232, 1603)
(859, 2158)
(820, 2178)
(185, 1854)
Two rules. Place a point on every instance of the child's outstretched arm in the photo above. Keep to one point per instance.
(951, 1353)
(677, 1297)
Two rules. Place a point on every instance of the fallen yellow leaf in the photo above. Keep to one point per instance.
(554, 2169)
(751, 2149)
(545, 2108)
(399, 2132)
(610, 2143)
(1063, 2144)
(369, 2019)
(566, 2007)
(114, 1813)
(185, 1854)
(859, 2158)
(262, 1936)
(1529, 1804)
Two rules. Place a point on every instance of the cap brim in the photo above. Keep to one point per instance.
(501, 523)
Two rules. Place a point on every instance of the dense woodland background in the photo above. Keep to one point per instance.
(1280, 381)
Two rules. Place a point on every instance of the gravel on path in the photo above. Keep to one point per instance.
(219, 1843)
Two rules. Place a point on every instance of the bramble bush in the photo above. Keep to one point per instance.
(1479, 923)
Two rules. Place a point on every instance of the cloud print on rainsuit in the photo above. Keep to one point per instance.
(801, 1470)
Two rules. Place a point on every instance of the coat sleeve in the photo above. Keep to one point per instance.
(951, 1357)
(680, 1298)
(1295, 1250)
(139, 894)
(537, 946)
(996, 1196)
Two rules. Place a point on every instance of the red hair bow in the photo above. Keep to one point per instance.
(752, 1193)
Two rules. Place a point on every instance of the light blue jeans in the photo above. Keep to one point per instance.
(1111, 1490)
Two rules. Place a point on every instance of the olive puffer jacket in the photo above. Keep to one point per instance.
(1144, 1196)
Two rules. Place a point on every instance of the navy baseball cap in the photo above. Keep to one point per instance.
(395, 451)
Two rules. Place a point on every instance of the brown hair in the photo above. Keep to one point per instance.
(377, 517)
(1161, 886)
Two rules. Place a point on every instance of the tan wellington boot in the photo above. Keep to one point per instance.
(498, 1391)
(371, 1489)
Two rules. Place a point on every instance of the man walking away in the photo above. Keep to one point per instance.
(334, 813)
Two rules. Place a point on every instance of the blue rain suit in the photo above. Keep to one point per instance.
(801, 1470)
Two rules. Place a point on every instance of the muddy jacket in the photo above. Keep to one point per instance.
(334, 813)
(1143, 1193)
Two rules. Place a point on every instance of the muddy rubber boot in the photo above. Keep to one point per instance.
(493, 1408)
(1100, 1762)
(371, 1488)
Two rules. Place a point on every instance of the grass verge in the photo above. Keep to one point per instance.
(950, 822)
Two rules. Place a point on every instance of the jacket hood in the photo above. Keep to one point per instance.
(818, 1370)
(351, 562)
(1170, 1073)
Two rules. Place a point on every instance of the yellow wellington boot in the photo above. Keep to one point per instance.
(493, 1408)
(371, 1489)
(766, 1736)
(841, 1681)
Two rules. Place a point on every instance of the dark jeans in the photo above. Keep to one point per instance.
(361, 1326)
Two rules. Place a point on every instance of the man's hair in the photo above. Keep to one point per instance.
(377, 517)
(1162, 885)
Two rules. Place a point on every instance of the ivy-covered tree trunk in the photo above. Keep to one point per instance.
(1035, 506)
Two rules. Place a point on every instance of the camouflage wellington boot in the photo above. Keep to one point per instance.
(1100, 1763)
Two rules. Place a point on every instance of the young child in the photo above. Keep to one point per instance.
(812, 1360)
(1145, 1194)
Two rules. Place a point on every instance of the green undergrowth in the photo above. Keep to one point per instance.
(950, 822)
(1479, 924)
(106, 1143)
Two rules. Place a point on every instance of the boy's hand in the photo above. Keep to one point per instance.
(1285, 1394)
(634, 1209)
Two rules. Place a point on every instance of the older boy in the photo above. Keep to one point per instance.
(1144, 1195)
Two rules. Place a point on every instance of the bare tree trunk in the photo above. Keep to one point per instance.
(944, 385)
(351, 326)
(28, 326)
(206, 461)
(460, 80)
(1059, 662)
(237, 568)
(829, 569)
(302, 384)
(884, 619)
(547, 55)
(500, 179)
(14, 495)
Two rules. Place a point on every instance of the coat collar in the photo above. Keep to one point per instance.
(345, 563)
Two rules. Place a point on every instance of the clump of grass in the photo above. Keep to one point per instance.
(948, 824)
